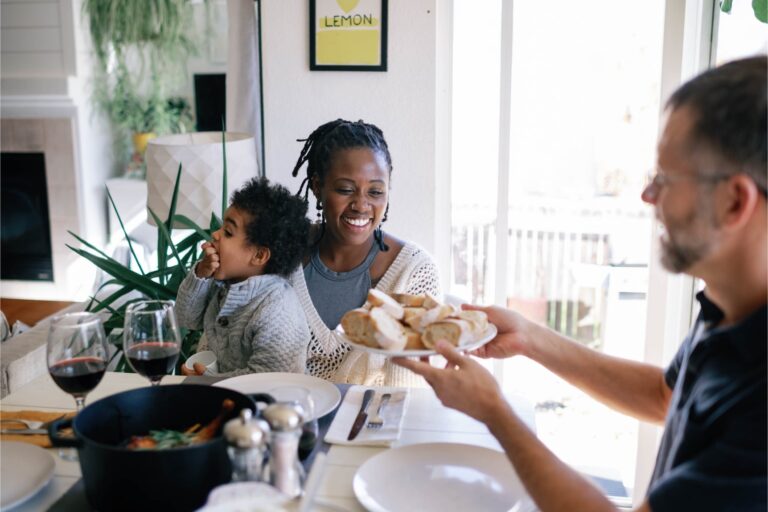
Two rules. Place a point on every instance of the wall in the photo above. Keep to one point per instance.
(45, 69)
(46, 64)
(401, 101)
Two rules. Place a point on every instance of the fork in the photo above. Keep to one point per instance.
(377, 421)
(32, 424)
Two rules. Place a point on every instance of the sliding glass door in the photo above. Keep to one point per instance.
(556, 110)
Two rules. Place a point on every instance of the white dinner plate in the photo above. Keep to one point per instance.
(27, 469)
(325, 395)
(438, 477)
(487, 335)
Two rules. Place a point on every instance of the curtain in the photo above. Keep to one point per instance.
(244, 73)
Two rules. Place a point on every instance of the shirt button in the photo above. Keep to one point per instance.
(223, 321)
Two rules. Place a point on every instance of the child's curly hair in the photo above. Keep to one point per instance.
(278, 221)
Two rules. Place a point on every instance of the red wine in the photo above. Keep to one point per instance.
(153, 359)
(78, 376)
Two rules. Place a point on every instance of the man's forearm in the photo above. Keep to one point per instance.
(551, 483)
(634, 388)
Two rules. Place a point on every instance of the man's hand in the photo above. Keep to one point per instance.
(463, 384)
(513, 336)
(210, 262)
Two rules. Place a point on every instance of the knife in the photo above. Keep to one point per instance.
(359, 423)
(24, 431)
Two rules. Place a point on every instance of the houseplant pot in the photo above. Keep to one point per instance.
(140, 141)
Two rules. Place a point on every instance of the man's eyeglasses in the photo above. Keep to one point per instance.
(660, 180)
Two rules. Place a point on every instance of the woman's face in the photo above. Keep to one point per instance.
(354, 194)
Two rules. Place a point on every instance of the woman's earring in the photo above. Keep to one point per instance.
(378, 235)
(319, 208)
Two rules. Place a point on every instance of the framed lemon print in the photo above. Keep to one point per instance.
(348, 35)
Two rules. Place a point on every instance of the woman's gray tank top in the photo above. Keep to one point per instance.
(335, 293)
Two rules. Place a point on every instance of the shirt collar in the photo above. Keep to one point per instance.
(746, 338)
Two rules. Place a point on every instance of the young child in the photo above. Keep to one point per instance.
(237, 293)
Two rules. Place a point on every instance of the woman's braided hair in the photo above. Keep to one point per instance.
(321, 146)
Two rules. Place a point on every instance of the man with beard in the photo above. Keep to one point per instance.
(709, 193)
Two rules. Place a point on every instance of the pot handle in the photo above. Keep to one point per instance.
(59, 440)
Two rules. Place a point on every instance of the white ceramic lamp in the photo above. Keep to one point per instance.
(200, 190)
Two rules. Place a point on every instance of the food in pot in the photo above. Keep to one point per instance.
(166, 438)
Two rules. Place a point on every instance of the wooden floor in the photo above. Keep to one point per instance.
(29, 311)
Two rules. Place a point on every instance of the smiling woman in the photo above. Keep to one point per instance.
(348, 172)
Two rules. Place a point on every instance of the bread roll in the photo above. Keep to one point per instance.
(411, 322)
(478, 320)
(357, 327)
(431, 316)
(388, 332)
(413, 340)
(411, 316)
(382, 300)
(408, 300)
(430, 301)
(455, 331)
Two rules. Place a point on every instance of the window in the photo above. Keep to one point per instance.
(740, 34)
(574, 132)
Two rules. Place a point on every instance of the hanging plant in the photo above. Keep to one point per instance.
(760, 7)
(160, 24)
(141, 49)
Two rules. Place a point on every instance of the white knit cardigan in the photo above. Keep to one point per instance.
(330, 357)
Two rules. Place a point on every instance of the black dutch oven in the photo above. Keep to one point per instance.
(175, 479)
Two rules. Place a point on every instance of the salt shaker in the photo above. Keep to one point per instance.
(247, 446)
(285, 471)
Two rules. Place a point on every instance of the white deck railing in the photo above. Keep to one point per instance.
(559, 257)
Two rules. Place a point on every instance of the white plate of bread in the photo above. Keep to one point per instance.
(407, 325)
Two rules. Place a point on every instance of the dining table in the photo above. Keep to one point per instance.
(425, 420)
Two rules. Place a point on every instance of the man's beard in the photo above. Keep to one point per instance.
(688, 241)
(676, 257)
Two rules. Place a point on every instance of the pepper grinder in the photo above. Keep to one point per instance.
(247, 446)
(285, 471)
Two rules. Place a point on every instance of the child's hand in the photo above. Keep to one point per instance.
(199, 370)
(210, 262)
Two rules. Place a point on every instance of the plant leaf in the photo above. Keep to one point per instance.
(224, 189)
(126, 276)
(163, 229)
(761, 10)
(215, 223)
(725, 5)
(163, 235)
(183, 219)
(105, 304)
(89, 245)
(174, 198)
(122, 227)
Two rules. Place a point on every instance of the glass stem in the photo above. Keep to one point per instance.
(79, 403)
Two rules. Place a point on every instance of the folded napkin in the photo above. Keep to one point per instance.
(392, 413)
(41, 440)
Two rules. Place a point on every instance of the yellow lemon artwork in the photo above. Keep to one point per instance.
(347, 5)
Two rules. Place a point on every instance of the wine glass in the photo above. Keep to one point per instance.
(301, 398)
(151, 339)
(77, 356)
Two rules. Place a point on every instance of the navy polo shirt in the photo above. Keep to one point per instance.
(713, 453)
